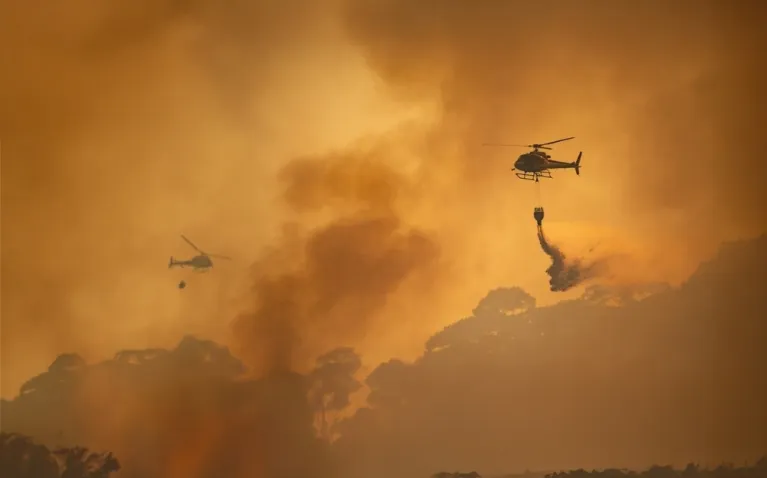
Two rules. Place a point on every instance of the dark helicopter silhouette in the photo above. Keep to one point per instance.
(537, 164)
(201, 262)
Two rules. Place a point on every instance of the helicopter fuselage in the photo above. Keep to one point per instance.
(538, 161)
(197, 262)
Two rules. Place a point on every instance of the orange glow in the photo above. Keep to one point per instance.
(277, 133)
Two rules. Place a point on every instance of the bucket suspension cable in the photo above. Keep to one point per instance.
(538, 198)
(538, 211)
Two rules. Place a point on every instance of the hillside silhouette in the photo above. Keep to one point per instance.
(673, 377)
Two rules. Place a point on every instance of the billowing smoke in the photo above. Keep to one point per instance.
(336, 276)
(564, 273)
(188, 107)
(493, 82)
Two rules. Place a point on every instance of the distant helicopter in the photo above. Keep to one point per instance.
(536, 164)
(200, 263)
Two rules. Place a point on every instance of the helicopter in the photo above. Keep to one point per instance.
(200, 263)
(537, 164)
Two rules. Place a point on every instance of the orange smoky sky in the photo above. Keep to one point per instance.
(333, 150)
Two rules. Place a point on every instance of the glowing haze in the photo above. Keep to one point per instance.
(333, 150)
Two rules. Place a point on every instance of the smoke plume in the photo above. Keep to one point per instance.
(170, 117)
(336, 276)
(564, 273)
(653, 92)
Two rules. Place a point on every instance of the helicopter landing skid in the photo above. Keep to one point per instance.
(534, 176)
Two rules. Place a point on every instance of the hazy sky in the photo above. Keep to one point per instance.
(333, 149)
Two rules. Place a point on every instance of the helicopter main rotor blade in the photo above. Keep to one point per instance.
(191, 244)
(557, 141)
(217, 256)
(534, 146)
(503, 144)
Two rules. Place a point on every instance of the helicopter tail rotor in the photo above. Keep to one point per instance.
(577, 164)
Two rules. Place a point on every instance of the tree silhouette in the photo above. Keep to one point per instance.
(79, 462)
(58, 380)
(491, 315)
(20, 457)
(332, 382)
(758, 470)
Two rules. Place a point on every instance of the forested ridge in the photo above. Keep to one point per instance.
(664, 378)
